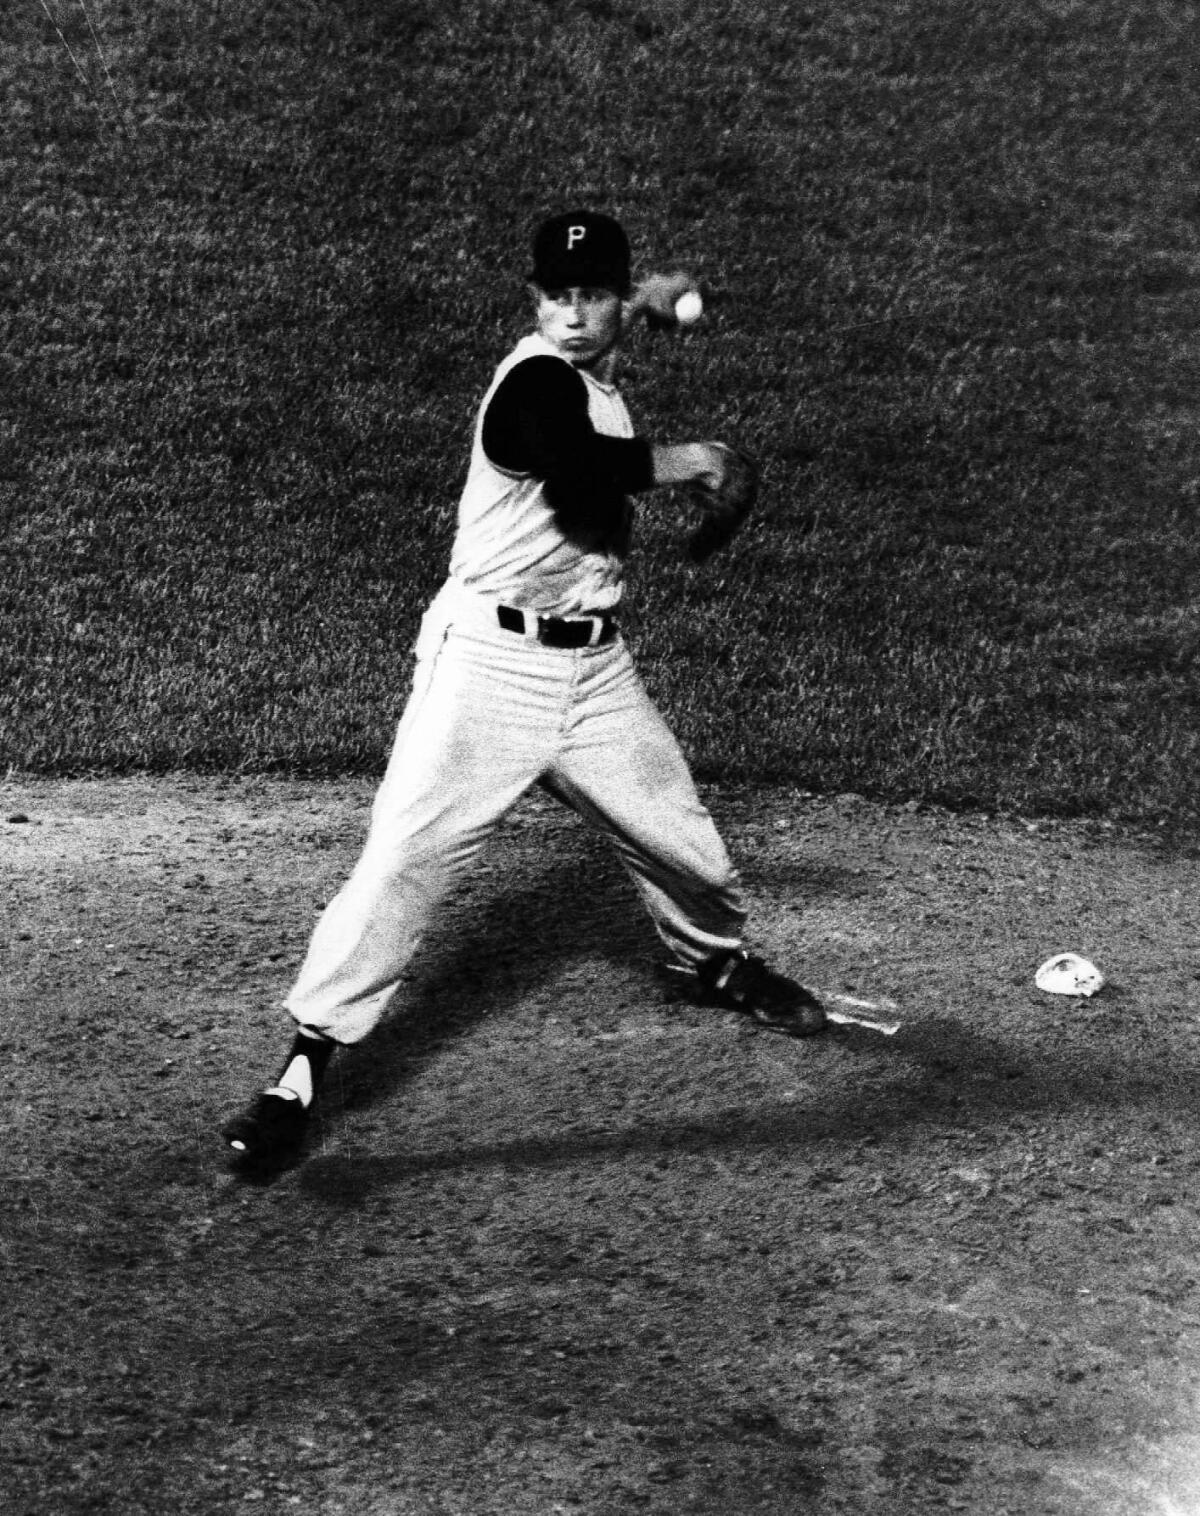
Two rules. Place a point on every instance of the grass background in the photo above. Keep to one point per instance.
(263, 257)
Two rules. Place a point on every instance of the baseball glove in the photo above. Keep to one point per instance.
(725, 506)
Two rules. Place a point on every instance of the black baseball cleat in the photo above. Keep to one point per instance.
(742, 982)
(269, 1133)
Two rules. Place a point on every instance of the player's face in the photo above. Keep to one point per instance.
(582, 323)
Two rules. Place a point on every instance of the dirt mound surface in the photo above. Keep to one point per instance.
(564, 1246)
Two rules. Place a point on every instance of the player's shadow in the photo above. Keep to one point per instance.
(936, 1072)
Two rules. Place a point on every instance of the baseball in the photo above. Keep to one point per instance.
(689, 308)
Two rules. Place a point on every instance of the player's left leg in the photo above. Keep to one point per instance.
(623, 770)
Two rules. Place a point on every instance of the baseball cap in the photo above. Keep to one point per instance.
(581, 248)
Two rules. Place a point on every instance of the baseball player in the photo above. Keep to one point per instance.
(522, 677)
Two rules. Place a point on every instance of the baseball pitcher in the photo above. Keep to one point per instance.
(522, 677)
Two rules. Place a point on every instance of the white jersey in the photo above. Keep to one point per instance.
(509, 545)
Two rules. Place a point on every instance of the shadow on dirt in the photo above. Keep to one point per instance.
(936, 1073)
(940, 1074)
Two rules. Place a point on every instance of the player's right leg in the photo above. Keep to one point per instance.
(475, 735)
(272, 1127)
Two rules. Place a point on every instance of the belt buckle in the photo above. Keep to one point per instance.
(570, 631)
(557, 631)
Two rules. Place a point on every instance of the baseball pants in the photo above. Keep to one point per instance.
(491, 714)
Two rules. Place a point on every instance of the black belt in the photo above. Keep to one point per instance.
(554, 631)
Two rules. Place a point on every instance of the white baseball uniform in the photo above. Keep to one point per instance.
(495, 710)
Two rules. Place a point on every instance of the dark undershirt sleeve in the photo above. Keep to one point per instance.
(537, 423)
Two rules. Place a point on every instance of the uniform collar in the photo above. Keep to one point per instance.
(535, 344)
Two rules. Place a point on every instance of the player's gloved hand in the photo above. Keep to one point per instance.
(724, 500)
(654, 298)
